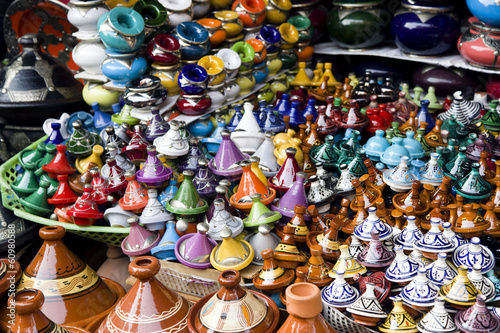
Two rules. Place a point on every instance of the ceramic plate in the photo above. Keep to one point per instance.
(46, 18)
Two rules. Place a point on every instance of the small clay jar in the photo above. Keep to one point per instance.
(304, 307)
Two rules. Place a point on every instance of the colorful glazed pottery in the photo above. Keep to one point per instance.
(460, 292)
(140, 308)
(367, 310)
(339, 294)
(403, 269)
(420, 292)
(363, 231)
(140, 240)
(482, 283)
(231, 253)
(186, 201)
(271, 277)
(434, 241)
(438, 320)
(375, 255)
(398, 320)
(53, 269)
(262, 240)
(474, 253)
(193, 250)
(477, 318)
(441, 271)
(348, 264)
(260, 214)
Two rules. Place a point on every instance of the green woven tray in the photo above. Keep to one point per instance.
(10, 200)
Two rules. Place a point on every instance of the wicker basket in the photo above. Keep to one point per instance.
(10, 200)
(195, 283)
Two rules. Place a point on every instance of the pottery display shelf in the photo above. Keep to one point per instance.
(194, 284)
(10, 200)
(189, 119)
(392, 51)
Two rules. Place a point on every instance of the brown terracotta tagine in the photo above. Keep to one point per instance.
(286, 254)
(271, 277)
(234, 309)
(148, 306)
(74, 293)
(29, 318)
(304, 307)
(9, 272)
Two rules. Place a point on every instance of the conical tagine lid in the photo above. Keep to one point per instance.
(148, 306)
(29, 318)
(234, 309)
(73, 291)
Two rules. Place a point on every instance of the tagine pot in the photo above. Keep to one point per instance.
(56, 263)
(36, 93)
(29, 318)
(138, 310)
(366, 310)
(233, 299)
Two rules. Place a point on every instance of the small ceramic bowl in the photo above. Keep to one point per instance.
(277, 11)
(193, 79)
(251, 12)
(193, 105)
(271, 38)
(122, 30)
(289, 36)
(194, 40)
(215, 30)
(259, 49)
(178, 11)
(215, 69)
(232, 62)
(246, 53)
(231, 22)
(164, 49)
(304, 27)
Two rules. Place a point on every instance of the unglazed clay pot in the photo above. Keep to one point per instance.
(73, 291)
(148, 306)
(303, 303)
(233, 309)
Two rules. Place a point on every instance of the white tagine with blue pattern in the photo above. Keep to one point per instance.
(403, 268)
(474, 253)
(372, 223)
(420, 292)
(441, 271)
